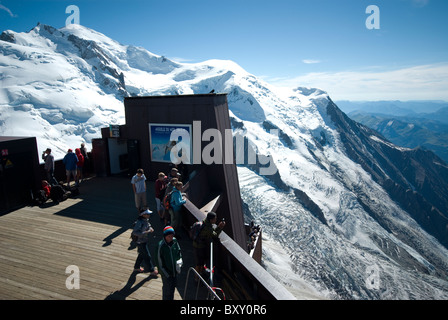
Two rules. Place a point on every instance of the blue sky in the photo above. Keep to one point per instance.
(318, 43)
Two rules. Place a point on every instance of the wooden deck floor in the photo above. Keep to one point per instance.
(91, 232)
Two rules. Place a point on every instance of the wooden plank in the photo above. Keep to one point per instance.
(91, 232)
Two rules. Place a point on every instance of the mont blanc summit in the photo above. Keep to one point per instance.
(346, 215)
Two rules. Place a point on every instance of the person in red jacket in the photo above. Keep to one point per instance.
(79, 166)
(47, 188)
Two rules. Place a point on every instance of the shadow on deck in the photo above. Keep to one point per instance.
(92, 231)
(110, 201)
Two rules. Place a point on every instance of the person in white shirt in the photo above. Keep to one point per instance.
(139, 186)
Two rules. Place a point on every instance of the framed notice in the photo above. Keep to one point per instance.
(170, 142)
(114, 131)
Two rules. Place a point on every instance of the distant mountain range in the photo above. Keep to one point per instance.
(347, 214)
(408, 124)
(425, 109)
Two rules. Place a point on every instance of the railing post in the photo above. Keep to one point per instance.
(211, 263)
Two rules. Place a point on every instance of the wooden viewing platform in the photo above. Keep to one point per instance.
(91, 231)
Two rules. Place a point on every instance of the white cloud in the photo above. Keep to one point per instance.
(426, 82)
(2, 7)
(310, 61)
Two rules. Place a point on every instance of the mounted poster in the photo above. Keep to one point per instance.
(170, 142)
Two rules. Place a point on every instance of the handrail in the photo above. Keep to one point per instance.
(267, 286)
(209, 289)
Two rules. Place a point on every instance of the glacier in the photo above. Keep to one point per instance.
(331, 229)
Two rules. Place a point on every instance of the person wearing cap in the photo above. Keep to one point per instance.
(201, 244)
(142, 229)
(70, 161)
(169, 261)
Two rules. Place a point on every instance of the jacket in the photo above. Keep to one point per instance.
(80, 158)
(70, 160)
(167, 257)
(206, 234)
(140, 226)
(160, 187)
(176, 199)
(49, 162)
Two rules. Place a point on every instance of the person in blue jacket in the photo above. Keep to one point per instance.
(176, 202)
(70, 161)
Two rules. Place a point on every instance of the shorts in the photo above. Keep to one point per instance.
(70, 172)
(159, 205)
(140, 200)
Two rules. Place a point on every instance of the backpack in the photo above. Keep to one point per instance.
(167, 200)
(196, 229)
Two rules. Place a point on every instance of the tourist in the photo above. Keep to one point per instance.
(169, 258)
(176, 202)
(49, 166)
(168, 212)
(79, 166)
(174, 173)
(160, 186)
(70, 161)
(138, 182)
(201, 242)
(86, 159)
(141, 230)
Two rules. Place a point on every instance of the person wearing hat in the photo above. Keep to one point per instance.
(201, 244)
(70, 161)
(142, 229)
(169, 261)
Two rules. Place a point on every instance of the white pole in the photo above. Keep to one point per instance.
(211, 263)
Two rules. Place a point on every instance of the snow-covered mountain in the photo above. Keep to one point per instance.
(347, 215)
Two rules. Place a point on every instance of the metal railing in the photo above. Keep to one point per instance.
(211, 291)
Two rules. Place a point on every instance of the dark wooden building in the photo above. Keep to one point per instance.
(137, 145)
(19, 172)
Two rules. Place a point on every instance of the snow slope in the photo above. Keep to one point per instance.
(63, 86)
